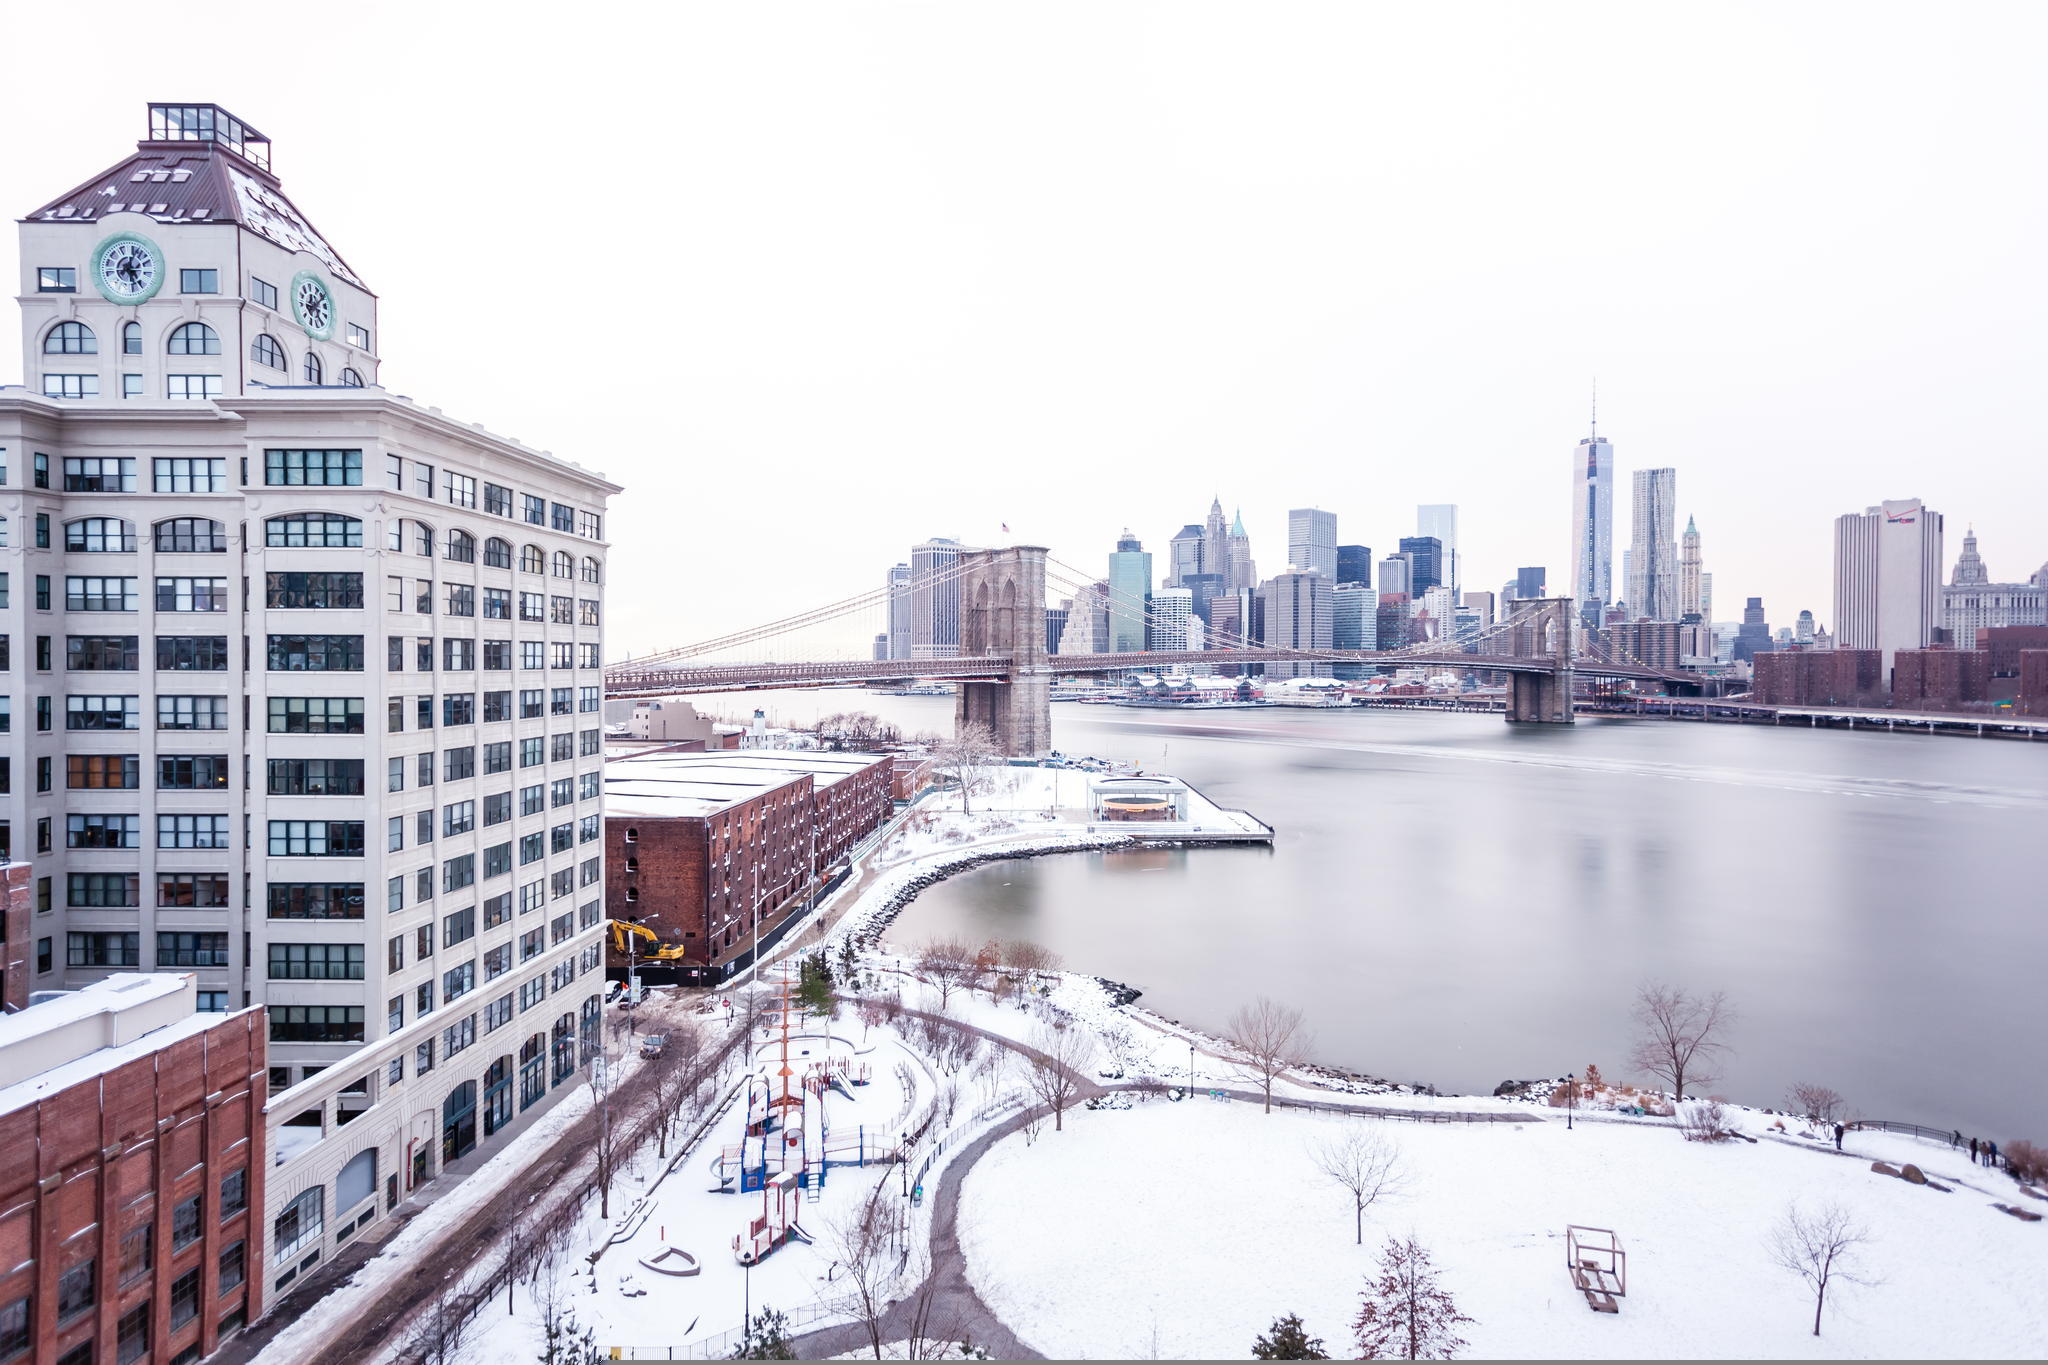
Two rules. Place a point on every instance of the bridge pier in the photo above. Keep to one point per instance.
(1540, 698)
(1542, 627)
(1002, 612)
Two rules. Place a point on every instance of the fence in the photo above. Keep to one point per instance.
(721, 1347)
(1947, 1137)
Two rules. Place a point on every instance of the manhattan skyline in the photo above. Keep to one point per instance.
(900, 325)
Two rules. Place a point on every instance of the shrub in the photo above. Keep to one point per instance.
(1704, 1121)
(2028, 1161)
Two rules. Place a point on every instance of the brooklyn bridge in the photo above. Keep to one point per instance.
(1004, 669)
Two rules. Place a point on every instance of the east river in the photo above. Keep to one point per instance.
(1455, 901)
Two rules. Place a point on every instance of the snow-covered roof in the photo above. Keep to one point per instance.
(52, 1047)
(697, 784)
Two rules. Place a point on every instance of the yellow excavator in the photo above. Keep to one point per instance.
(656, 950)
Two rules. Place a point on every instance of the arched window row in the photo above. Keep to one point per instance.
(70, 338)
(99, 535)
(191, 535)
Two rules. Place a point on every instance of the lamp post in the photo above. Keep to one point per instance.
(1191, 1068)
(1571, 1098)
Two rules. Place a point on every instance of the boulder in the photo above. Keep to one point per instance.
(2024, 1215)
(1882, 1169)
(1912, 1174)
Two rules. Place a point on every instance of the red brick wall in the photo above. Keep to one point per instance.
(17, 905)
(121, 1150)
(2006, 642)
(1939, 679)
(1819, 677)
(2033, 695)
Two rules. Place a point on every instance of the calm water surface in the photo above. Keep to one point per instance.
(1455, 901)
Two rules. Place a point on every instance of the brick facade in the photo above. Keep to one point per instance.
(695, 879)
(2005, 643)
(2033, 694)
(103, 1172)
(1819, 677)
(1940, 679)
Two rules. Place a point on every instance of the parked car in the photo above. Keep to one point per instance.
(653, 1044)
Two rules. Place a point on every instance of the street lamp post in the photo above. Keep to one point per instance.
(1191, 1068)
(1571, 1098)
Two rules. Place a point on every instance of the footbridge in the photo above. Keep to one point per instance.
(1004, 669)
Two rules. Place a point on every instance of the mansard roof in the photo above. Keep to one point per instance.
(195, 182)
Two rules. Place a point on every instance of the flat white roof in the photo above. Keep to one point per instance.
(706, 783)
(32, 1028)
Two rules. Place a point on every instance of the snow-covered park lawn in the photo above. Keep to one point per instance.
(1184, 1230)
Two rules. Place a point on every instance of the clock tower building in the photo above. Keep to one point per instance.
(301, 691)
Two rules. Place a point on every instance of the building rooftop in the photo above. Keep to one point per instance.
(84, 1033)
(698, 784)
(199, 164)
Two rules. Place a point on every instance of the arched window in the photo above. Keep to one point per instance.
(531, 560)
(461, 547)
(131, 338)
(565, 564)
(71, 338)
(191, 535)
(314, 530)
(350, 379)
(195, 338)
(99, 535)
(313, 370)
(264, 350)
(591, 573)
(498, 553)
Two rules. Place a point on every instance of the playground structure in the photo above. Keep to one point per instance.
(787, 1145)
(1598, 1266)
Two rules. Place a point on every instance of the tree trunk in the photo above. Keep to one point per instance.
(1819, 1298)
(1361, 1221)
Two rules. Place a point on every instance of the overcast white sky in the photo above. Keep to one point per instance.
(818, 281)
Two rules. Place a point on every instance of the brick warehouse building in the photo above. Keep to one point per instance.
(16, 909)
(702, 844)
(1940, 679)
(131, 1200)
(1820, 677)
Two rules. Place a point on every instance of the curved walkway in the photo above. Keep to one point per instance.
(954, 1311)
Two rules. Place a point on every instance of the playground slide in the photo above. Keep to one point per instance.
(814, 1141)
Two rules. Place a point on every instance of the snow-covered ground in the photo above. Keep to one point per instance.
(1184, 1230)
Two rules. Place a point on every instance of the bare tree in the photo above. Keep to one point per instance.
(439, 1335)
(1272, 1038)
(1029, 960)
(948, 964)
(1054, 1078)
(862, 1248)
(1820, 1248)
(1816, 1103)
(1678, 1035)
(675, 1083)
(1364, 1162)
(968, 760)
(856, 730)
(1704, 1121)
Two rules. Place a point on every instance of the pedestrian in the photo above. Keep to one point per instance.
(1973, 1151)
(1992, 1159)
(1959, 1137)
(1839, 1130)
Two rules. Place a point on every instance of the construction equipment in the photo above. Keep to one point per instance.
(623, 931)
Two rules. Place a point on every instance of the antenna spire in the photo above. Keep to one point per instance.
(1594, 434)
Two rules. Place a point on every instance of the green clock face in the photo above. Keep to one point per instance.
(313, 305)
(127, 268)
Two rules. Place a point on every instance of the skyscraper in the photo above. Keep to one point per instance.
(1216, 546)
(1753, 636)
(1397, 574)
(1692, 602)
(1244, 573)
(1173, 610)
(934, 599)
(1593, 526)
(1425, 555)
(1184, 556)
(1087, 627)
(1887, 578)
(1531, 582)
(1130, 594)
(1354, 623)
(1312, 541)
(1296, 608)
(898, 633)
(1354, 564)
(1440, 519)
(1653, 554)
